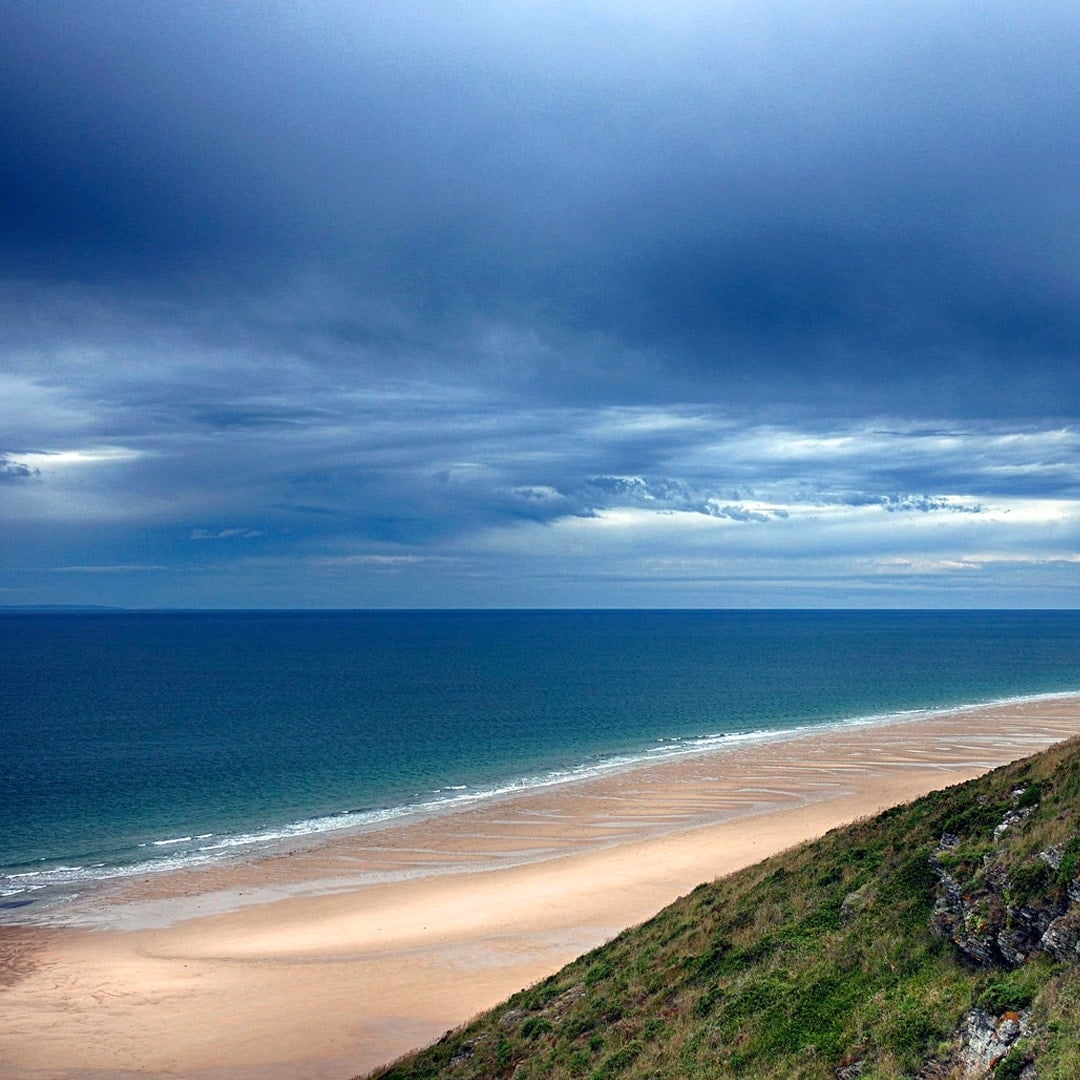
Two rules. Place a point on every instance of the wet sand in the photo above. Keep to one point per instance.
(325, 962)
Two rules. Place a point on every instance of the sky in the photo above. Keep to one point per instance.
(539, 304)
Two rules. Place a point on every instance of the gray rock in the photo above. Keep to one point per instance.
(1061, 939)
(510, 1017)
(953, 890)
(1024, 933)
(1052, 856)
(987, 1039)
(1011, 819)
(463, 1055)
(854, 902)
(1008, 947)
(982, 949)
(955, 917)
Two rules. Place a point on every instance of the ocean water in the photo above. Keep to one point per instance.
(135, 742)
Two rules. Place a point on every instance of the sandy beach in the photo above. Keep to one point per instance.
(325, 962)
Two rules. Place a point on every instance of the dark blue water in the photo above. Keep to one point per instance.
(139, 740)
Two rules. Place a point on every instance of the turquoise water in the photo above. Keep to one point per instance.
(142, 741)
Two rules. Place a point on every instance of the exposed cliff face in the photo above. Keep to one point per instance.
(987, 1039)
(1002, 909)
(985, 1044)
(999, 910)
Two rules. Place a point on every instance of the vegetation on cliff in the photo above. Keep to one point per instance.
(939, 939)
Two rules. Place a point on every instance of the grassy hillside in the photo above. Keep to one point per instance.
(940, 939)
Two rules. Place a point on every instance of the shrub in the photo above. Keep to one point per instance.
(1013, 1064)
(1070, 862)
(536, 1026)
(598, 972)
(618, 1061)
(1032, 795)
(1013, 990)
(1029, 881)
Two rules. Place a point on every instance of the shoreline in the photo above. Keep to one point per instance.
(334, 958)
(71, 890)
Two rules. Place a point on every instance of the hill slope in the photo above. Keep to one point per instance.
(939, 939)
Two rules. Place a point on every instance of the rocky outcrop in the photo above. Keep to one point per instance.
(856, 901)
(849, 1071)
(977, 904)
(992, 933)
(1013, 817)
(1061, 939)
(983, 1042)
(1053, 856)
(987, 1039)
(1000, 910)
(1023, 934)
(964, 915)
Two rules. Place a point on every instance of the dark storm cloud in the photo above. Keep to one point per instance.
(723, 204)
(535, 293)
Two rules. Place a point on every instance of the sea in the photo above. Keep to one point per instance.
(133, 743)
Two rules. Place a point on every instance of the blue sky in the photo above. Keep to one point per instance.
(541, 304)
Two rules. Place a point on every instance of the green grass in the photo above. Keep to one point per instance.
(817, 958)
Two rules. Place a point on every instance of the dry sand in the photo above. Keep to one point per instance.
(326, 962)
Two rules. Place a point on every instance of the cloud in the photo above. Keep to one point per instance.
(433, 283)
(16, 472)
(736, 194)
(119, 568)
(925, 504)
(385, 562)
(668, 495)
(224, 534)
